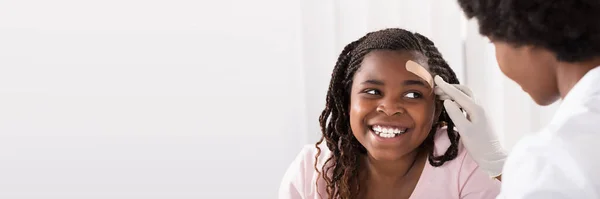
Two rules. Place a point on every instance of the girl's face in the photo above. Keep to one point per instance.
(392, 110)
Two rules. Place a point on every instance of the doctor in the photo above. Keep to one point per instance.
(551, 48)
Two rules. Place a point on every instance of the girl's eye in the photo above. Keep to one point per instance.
(413, 95)
(372, 92)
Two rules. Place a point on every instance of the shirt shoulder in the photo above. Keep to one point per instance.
(559, 162)
(459, 178)
(300, 178)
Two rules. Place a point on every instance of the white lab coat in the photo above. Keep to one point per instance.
(562, 161)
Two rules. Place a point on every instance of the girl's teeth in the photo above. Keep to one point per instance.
(377, 128)
(387, 132)
(387, 135)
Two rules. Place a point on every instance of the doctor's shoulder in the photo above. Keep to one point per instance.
(302, 177)
(561, 161)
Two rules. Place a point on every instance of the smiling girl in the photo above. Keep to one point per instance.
(385, 133)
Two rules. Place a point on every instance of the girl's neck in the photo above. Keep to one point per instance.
(391, 179)
(393, 172)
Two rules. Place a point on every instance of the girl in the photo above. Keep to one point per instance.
(385, 134)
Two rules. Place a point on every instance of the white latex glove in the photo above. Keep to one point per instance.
(476, 132)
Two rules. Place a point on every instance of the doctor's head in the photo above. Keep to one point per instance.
(381, 104)
(535, 39)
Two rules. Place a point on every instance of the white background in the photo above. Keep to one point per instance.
(197, 99)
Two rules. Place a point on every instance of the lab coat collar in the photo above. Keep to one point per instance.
(575, 101)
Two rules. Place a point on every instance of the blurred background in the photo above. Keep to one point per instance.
(198, 99)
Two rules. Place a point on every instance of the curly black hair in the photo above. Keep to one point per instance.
(568, 28)
(343, 165)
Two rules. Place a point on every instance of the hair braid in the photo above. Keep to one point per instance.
(444, 71)
(332, 122)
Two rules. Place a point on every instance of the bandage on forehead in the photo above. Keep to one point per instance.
(420, 71)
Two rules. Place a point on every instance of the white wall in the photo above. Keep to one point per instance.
(149, 99)
(197, 99)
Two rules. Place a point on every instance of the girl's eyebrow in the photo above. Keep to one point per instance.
(405, 83)
(373, 81)
(414, 82)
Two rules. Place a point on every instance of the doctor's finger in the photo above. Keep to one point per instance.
(444, 97)
(458, 96)
(438, 91)
(456, 114)
(466, 90)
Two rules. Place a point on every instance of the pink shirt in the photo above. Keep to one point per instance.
(459, 178)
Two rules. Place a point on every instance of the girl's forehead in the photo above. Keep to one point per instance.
(400, 55)
(419, 71)
(395, 58)
(394, 68)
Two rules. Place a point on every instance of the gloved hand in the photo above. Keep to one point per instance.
(476, 132)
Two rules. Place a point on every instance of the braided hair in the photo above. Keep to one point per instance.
(340, 170)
